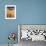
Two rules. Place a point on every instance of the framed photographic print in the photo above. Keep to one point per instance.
(10, 11)
(33, 32)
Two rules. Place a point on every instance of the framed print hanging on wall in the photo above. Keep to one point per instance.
(10, 11)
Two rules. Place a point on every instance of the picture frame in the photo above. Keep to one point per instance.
(36, 32)
(10, 11)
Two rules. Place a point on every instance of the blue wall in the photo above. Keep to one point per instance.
(6, 26)
(31, 11)
(28, 12)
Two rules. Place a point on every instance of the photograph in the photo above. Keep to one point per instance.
(10, 11)
(28, 33)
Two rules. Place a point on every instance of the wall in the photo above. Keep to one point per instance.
(28, 12)
(31, 11)
(6, 26)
